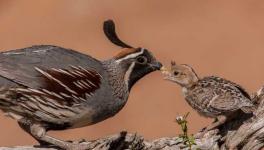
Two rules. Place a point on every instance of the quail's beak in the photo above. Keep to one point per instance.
(157, 65)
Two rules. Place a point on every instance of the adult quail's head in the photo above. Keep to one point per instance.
(135, 62)
(182, 74)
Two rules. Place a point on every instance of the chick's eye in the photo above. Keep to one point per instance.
(175, 73)
(142, 60)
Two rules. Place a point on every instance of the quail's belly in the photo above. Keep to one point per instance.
(101, 107)
(202, 110)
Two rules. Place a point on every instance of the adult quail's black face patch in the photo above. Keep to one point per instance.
(136, 62)
(144, 64)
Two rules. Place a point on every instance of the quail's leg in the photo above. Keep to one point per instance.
(25, 125)
(220, 120)
(39, 133)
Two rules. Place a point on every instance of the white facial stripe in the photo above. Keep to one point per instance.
(128, 72)
(131, 55)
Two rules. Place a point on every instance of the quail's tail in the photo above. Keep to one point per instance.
(3, 99)
(7, 104)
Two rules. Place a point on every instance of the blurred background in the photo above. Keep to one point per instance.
(223, 38)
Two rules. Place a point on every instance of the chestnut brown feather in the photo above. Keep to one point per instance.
(68, 85)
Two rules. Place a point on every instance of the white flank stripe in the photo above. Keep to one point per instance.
(39, 99)
(78, 85)
(84, 83)
(55, 94)
(80, 73)
(29, 97)
(65, 72)
(51, 101)
(27, 107)
(100, 76)
(46, 91)
(89, 72)
(22, 90)
(36, 91)
(74, 67)
(90, 82)
(75, 73)
(86, 94)
(56, 80)
(82, 99)
(65, 95)
(81, 84)
(81, 68)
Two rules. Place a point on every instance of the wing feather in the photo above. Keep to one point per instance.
(66, 86)
(224, 104)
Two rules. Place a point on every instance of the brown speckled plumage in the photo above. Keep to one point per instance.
(210, 96)
(213, 96)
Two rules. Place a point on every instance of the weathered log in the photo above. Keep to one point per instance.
(135, 142)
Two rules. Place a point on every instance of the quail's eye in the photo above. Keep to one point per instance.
(175, 73)
(142, 60)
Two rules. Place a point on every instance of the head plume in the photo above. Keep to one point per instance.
(109, 30)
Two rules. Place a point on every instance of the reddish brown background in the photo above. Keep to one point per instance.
(224, 38)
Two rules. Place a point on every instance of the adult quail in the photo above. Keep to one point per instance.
(52, 88)
(210, 96)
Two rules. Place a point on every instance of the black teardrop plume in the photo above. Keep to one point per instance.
(109, 30)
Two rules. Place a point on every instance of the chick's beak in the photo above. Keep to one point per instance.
(163, 69)
(165, 72)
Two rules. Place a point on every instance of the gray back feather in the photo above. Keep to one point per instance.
(18, 66)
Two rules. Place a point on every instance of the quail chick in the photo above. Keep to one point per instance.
(211, 96)
(52, 88)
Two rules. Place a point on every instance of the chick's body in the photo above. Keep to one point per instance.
(213, 96)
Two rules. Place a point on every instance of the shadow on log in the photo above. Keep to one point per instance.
(244, 132)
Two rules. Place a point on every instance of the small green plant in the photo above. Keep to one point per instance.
(187, 139)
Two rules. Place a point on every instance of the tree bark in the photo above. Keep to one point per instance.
(243, 132)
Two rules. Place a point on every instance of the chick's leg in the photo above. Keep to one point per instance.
(220, 120)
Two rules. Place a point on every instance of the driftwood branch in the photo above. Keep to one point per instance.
(244, 132)
(135, 142)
